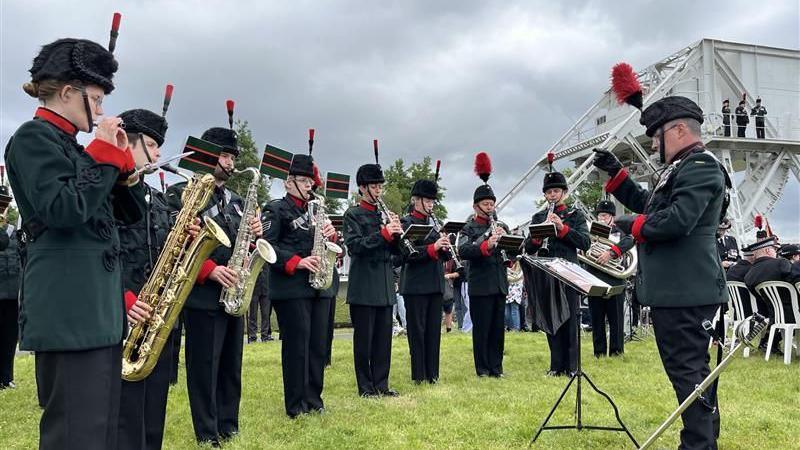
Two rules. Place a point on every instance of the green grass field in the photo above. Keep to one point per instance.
(759, 403)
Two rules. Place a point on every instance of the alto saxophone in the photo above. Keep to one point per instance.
(172, 279)
(325, 249)
(246, 264)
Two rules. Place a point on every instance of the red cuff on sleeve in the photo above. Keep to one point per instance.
(130, 299)
(563, 232)
(434, 255)
(386, 235)
(614, 183)
(291, 264)
(205, 270)
(536, 241)
(485, 249)
(636, 228)
(616, 250)
(103, 152)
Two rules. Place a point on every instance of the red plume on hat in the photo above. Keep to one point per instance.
(375, 147)
(112, 41)
(311, 142)
(229, 104)
(626, 86)
(167, 99)
(758, 221)
(436, 174)
(483, 166)
(550, 158)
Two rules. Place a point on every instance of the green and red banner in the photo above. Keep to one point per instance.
(204, 157)
(276, 162)
(337, 185)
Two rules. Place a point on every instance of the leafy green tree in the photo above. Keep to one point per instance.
(248, 157)
(399, 181)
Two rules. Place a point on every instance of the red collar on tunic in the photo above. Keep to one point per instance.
(56, 119)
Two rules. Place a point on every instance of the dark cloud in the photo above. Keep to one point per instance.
(445, 79)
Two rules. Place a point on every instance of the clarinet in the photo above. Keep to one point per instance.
(493, 226)
(405, 242)
(437, 227)
(544, 250)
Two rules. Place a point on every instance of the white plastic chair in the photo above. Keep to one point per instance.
(743, 304)
(772, 290)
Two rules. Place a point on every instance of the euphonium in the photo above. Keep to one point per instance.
(621, 268)
(246, 264)
(172, 279)
(325, 249)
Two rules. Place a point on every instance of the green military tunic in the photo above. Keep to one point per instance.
(676, 233)
(69, 203)
(487, 273)
(371, 281)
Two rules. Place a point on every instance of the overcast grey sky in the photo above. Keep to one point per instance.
(445, 79)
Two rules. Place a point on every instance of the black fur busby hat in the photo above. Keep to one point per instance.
(75, 59)
(724, 224)
(427, 188)
(370, 173)
(224, 137)
(483, 169)
(606, 206)
(667, 109)
(553, 179)
(789, 250)
(303, 165)
(146, 122)
(424, 189)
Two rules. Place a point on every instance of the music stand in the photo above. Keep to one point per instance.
(512, 244)
(577, 278)
(452, 227)
(542, 230)
(600, 229)
(416, 232)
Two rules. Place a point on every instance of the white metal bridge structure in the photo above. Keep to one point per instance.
(708, 72)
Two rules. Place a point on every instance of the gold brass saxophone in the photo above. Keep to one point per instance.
(325, 249)
(622, 267)
(172, 279)
(247, 264)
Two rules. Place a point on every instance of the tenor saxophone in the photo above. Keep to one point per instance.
(172, 279)
(325, 249)
(246, 264)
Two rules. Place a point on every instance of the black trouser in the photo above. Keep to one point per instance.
(740, 131)
(683, 346)
(80, 391)
(259, 303)
(488, 332)
(177, 337)
(564, 344)
(727, 129)
(304, 334)
(143, 405)
(331, 320)
(523, 319)
(601, 309)
(458, 302)
(372, 347)
(214, 343)
(9, 332)
(424, 327)
(760, 129)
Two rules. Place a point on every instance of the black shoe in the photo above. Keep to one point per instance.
(213, 443)
(433, 381)
(554, 373)
(418, 382)
(482, 374)
(497, 375)
(228, 435)
(8, 385)
(389, 393)
(449, 329)
(369, 394)
(251, 341)
(267, 338)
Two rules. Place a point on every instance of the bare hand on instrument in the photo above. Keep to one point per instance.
(493, 240)
(194, 228)
(555, 220)
(442, 242)
(394, 227)
(726, 264)
(224, 275)
(604, 257)
(255, 226)
(310, 263)
(109, 130)
(328, 230)
(140, 311)
(394, 217)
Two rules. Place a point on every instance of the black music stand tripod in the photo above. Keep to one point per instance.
(578, 376)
